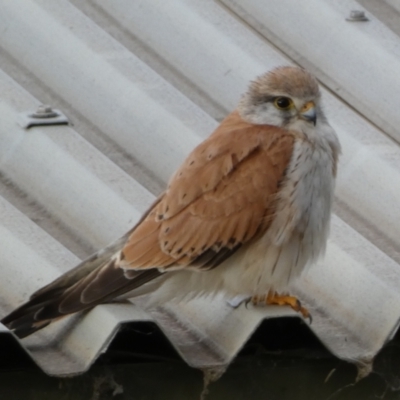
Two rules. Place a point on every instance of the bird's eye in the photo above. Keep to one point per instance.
(283, 103)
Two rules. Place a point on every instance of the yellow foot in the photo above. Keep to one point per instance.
(273, 298)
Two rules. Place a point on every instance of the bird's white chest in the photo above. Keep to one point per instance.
(298, 234)
(305, 199)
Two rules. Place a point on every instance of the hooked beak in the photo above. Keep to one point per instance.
(308, 112)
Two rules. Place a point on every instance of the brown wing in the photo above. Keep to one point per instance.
(221, 197)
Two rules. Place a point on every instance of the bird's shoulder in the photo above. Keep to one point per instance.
(236, 149)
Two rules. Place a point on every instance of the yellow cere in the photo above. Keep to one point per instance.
(307, 106)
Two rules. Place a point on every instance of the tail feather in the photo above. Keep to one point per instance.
(84, 268)
(101, 282)
(27, 328)
(98, 279)
(24, 320)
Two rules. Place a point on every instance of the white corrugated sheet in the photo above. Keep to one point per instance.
(142, 83)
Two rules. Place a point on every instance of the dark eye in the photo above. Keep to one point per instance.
(283, 103)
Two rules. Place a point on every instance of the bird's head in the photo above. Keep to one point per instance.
(287, 97)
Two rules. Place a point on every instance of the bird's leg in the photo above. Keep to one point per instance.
(273, 298)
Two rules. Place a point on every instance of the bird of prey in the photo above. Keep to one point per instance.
(245, 214)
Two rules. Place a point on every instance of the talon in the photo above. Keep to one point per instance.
(302, 310)
(305, 313)
(247, 301)
(273, 298)
(237, 301)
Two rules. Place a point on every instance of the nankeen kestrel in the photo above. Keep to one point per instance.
(246, 212)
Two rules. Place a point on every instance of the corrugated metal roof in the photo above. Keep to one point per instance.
(143, 82)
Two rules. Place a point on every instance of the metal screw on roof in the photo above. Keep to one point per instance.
(356, 16)
(44, 111)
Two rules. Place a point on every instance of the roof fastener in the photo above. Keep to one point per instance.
(44, 115)
(44, 111)
(357, 16)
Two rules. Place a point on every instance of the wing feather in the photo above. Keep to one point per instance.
(221, 197)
